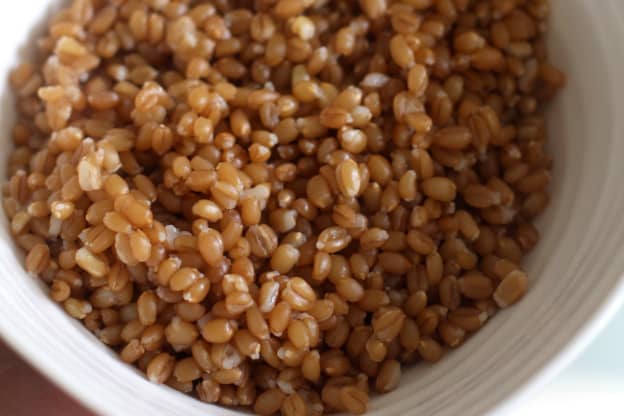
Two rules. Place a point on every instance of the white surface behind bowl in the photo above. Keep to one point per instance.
(574, 272)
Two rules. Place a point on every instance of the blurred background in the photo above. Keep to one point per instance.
(592, 384)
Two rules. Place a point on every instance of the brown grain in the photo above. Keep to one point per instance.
(293, 199)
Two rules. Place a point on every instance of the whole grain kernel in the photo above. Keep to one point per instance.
(267, 296)
(290, 355)
(468, 42)
(387, 323)
(430, 350)
(321, 265)
(354, 400)
(350, 289)
(183, 278)
(283, 220)
(262, 240)
(132, 351)
(434, 267)
(237, 302)
(468, 319)
(348, 178)
(420, 242)
(452, 335)
(322, 310)
(409, 335)
(333, 239)
(299, 294)
(475, 285)
(373, 299)
(38, 259)
(298, 334)
(140, 245)
(284, 258)
(136, 212)
(318, 192)
(334, 363)
(401, 52)
(247, 344)
(217, 330)
(408, 186)
(210, 246)
(186, 370)
(130, 330)
(180, 333)
(311, 366)
(335, 117)
(160, 368)
(250, 211)
(278, 205)
(77, 308)
(395, 263)
(453, 137)
(373, 238)
(450, 295)
(439, 189)
(91, 263)
(60, 290)
(269, 402)
(147, 308)
(388, 377)
(256, 323)
(208, 209)
(511, 289)
(293, 405)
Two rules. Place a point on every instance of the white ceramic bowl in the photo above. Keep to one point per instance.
(575, 271)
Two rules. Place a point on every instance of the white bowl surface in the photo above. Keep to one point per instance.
(574, 272)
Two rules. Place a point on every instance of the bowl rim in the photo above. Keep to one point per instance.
(564, 357)
(574, 342)
(602, 313)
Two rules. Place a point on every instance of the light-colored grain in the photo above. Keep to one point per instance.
(511, 289)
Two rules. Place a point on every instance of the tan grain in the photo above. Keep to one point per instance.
(278, 203)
